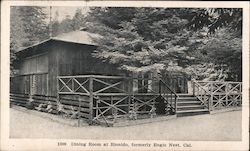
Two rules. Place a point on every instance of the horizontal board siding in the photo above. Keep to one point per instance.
(69, 102)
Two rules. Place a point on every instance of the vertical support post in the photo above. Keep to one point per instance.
(79, 110)
(226, 91)
(240, 85)
(210, 103)
(31, 87)
(175, 104)
(91, 99)
(97, 108)
(211, 87)
(171, 101)
(210, 100)
(111, 102)
(160, 86)
(193, 84)
(58, 91)
(58, 105)
(130, 90)
(31, 92)
(47, 84)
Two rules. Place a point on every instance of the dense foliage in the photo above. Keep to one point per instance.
(146, 39)
(30, 25)
(67, 24)
(27, 27)
(205, 43)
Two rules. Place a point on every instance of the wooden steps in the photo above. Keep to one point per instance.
(181, 103)
(189, 105)
(192, 111)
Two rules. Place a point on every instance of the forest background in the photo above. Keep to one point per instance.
(205, 43)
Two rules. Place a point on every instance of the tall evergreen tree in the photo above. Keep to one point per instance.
(78, 20)
(55, 24)
(224, 49)
(27, 26)
(216, 18)
(149, 39)
(17, 36)
(165, 39)
(66, 25)
(34, 24)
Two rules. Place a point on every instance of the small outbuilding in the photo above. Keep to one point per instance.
(67, 54)
(62, 70)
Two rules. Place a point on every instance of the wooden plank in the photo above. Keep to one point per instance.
(94, 76)
(124, 94)
(217, 82)
(19, 95)
(91, 100)
(84, 115)
(45, 98)
(75, 108)
(74, 103)
(19, 101)
(74, 93)
(85, 100)
(19, 98)
(45, 102)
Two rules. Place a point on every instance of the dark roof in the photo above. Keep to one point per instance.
(78, 37)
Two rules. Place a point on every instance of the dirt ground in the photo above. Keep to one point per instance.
(223, 126)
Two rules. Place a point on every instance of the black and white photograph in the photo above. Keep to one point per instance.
(138, 77)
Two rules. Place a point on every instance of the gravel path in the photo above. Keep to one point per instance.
(223, 126)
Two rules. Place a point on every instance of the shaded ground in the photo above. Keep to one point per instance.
(223, 126)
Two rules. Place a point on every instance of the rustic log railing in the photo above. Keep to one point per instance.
(111, 97)
(169, 95)
(217, 95)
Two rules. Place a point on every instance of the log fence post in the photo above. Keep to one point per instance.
(226, 91)
(210, 100)
(91, 99)
(193, 85)
(79, 110)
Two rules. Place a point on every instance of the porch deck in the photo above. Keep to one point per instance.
(107, 99)
(112, 97)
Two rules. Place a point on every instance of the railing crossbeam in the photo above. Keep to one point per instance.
(217, 94)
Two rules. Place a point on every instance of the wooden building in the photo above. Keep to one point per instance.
(62, 71)
(67, 54)
(61, 74)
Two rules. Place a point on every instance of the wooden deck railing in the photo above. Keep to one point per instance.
(169, 95)
(217, 95)
(114, 96)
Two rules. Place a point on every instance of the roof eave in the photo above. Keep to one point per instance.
(55, 39)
